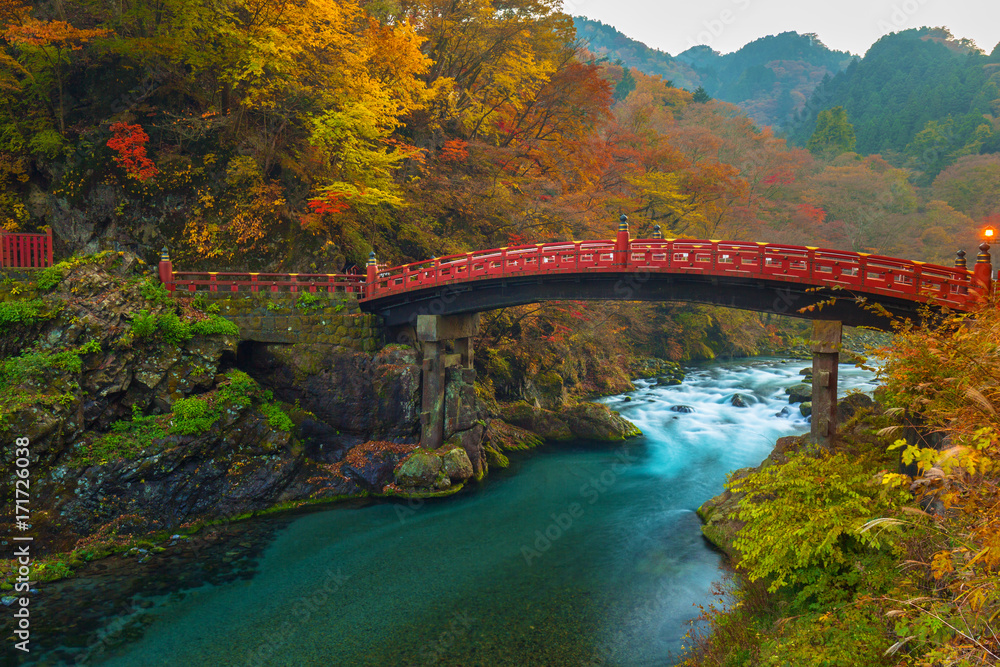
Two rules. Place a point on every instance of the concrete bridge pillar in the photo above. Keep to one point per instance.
(825, 347)
(446, 341)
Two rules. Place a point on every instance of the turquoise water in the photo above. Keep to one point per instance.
(581, 555)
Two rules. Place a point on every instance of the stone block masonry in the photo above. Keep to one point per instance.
(303, 317)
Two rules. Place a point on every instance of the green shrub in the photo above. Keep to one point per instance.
(308, 301)
(153, 290)
(804, 518)
(20, 312)
(192, 416)
(143, 325)
(215, 325)
(276, 418)
(51, 276)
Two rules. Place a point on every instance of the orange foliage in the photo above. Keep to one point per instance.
(129, 142)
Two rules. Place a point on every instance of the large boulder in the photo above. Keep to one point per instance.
(367, 396)
(800, 392)
(420, 469)
(545, 423)
(594, 421)
(851, 404)
(456, 464)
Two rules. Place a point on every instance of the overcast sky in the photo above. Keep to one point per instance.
(845, 25)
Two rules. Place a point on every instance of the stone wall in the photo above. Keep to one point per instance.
(284, 317)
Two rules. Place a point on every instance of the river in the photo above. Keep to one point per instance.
(580, 554)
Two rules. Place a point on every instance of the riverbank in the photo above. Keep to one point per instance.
(565, 557)
(876, 550)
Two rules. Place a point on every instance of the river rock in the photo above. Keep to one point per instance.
(850, 405)
(785, 412)
(456, 464)
(549, 425)
(738, 401)
(419, 470)
(808, 371)
(594, 421)
(721, 518)
(798, 393)
(806, 408)
(681, 408)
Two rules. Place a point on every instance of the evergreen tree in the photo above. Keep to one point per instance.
(700, 96)
(833, 135)
(626, 85)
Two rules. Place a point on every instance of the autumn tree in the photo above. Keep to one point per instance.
(45, 47)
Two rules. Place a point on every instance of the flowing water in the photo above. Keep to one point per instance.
(576, 555)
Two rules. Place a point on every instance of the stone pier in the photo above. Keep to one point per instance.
(825, 348)
(446, 341)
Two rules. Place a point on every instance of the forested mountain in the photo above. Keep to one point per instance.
(921, 98)
(769, 78)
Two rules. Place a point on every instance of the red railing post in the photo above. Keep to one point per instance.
(166, 270)
(622, 242)
(371, 283)
(48, 236)
(982, 272)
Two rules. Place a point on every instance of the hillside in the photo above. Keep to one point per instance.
(921, 98)
(769, 78)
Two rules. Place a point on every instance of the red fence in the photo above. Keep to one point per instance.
(863, 273)
(26, 251)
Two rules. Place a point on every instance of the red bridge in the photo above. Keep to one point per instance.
(435, 303)
(765, 277)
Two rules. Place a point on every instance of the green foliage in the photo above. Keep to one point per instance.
(20, 312)
(276, 417)
(191, 416)
(805, 518)
(144, 324)
(833, 135)
(152, 290)
(49, 277)
(36, 366)
(309, 301)
(127, 440)
(47, 144)
(175, 330)
(214, 325)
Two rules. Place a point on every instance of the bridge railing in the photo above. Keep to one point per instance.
(26, 251)
(222, 281)
(873, 274)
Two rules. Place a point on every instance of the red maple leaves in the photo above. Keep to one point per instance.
(129, 142)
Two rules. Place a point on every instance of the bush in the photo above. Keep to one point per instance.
(20, 312)
(805, 518)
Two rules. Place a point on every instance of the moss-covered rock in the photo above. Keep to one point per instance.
(798, 393)
(456, 465)
(594, 421)
(545, 423)
(419, 469)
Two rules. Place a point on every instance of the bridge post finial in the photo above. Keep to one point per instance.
(622, 243)
(982, 273)
(960, 262)
(166, 270)
(657, 234)
(371, 274)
